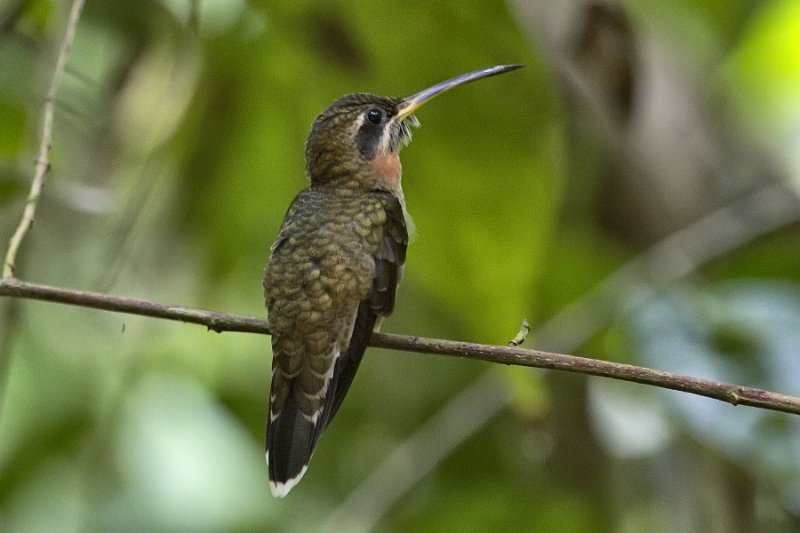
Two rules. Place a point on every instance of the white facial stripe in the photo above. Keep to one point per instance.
(386, 138)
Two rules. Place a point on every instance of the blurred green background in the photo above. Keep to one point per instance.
(632, 192)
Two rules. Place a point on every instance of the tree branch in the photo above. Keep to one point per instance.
(509, 355)
(42, 159)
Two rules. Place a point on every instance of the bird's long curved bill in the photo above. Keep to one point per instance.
(414, 102)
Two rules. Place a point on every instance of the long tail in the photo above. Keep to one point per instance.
(290, 441)
(291, 437)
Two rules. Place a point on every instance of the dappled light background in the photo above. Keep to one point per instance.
(541, 194)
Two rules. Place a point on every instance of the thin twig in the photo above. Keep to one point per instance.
(42, 159)
(509, 355)
(214, 321)
(520, 337)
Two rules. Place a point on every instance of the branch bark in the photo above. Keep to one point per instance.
(509, 355)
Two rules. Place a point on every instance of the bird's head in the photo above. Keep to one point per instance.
(361, 134)
(355, 133)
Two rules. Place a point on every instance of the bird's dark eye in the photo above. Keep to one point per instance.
(375, 115)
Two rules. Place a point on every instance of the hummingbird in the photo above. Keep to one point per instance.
(335, 265)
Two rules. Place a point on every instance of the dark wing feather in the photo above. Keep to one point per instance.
(347, 364)
(389, 259)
